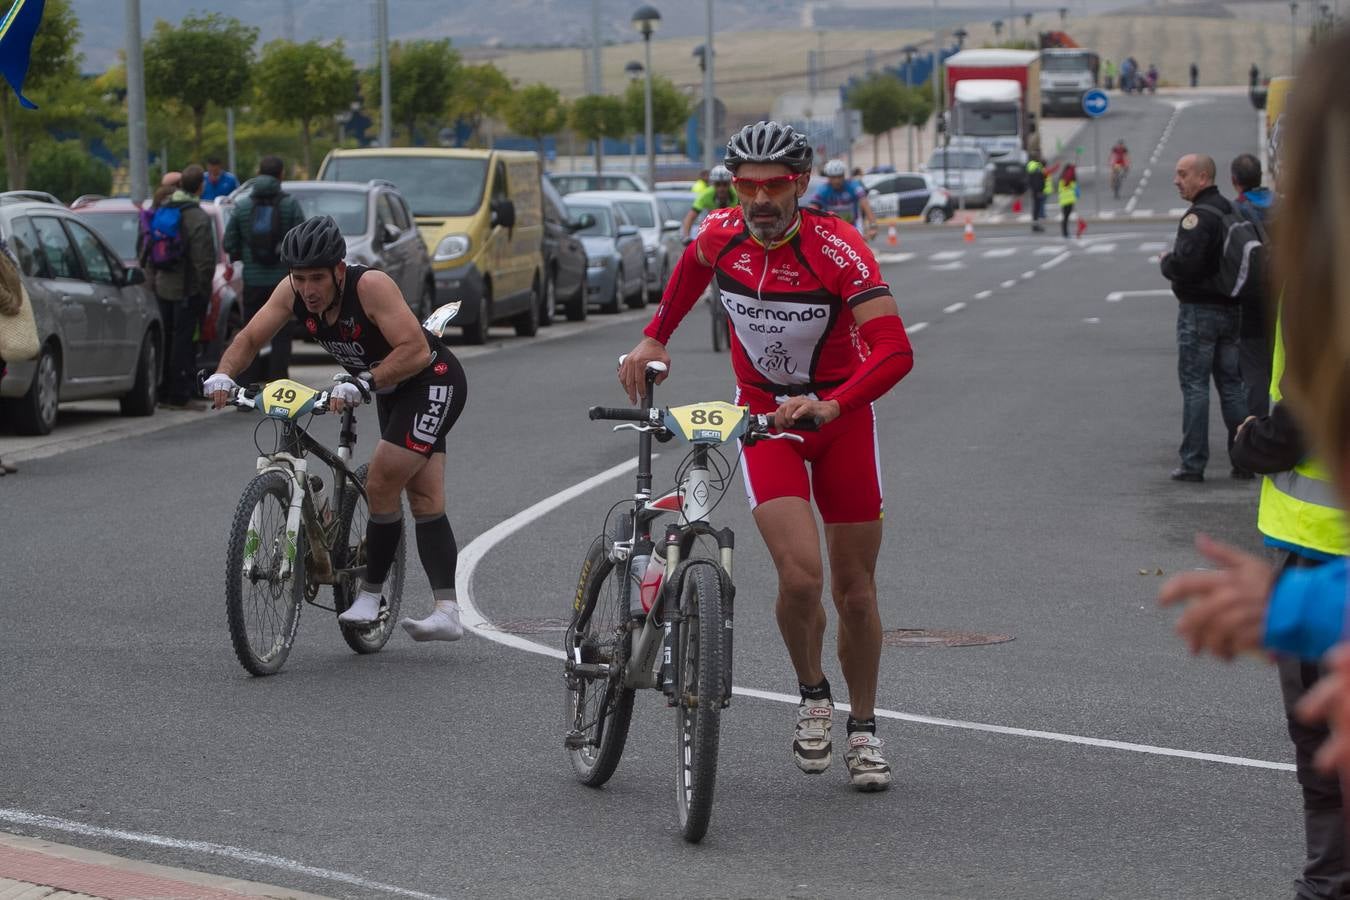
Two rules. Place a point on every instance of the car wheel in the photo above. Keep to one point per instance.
(35, 411)
(427, 302)
(935, 216)
(576, 306)
(477, 331)
(527, 322)
(548, 309)
(140, 400)
(611, 305)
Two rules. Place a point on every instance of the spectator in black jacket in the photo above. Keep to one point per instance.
(1207, 320)
(1254, 342)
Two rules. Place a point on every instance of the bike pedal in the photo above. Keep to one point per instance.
(574, 740)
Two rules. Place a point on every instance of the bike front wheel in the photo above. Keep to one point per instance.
(700, 683)
(262, 606)
(350, 553)
(599, 707)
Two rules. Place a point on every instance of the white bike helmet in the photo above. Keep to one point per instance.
(835, 168)
(719, 175)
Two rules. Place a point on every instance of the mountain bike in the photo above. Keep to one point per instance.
(659, 613)
(291, 536)
(1117, 179)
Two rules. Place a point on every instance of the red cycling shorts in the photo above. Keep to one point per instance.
(845, 469)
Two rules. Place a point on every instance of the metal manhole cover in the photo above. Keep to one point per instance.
(933, 637)
(532, 626)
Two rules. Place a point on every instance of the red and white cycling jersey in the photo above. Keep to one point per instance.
(790, 304)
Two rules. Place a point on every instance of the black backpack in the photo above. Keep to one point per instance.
(264, 230)
(1036, 180)
(1244, 260)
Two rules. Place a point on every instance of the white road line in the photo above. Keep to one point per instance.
(1152, 246)
(1117, 296)
(1177, 211)
(1129, 204)
(894, 257)
(36, 820)
(478, 548)
(1028, 275)
(943, 255)
(1102, 248)
(1051, 263)
(1009, 283)
(1046, 251)
(1092, 320)
(1108, 214)
(1142, 213)
(984, 295)
(999, 252)
(955, 307)
(949, 267)
(915, 328)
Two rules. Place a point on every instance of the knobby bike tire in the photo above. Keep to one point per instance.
(597, 628)
(263, 616)
(353, 517)
(700, 685)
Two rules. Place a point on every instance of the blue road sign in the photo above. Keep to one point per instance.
(1095, 103)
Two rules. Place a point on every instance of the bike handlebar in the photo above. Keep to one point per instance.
(618, 413)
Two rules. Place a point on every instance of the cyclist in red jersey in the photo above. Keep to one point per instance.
(816, 334)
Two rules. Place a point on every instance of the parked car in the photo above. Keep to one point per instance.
(614, 249)
(98, 324)
(661, 241)
(902, 194)
(564, 260)
(572, 182)
(675, 204)
(118, 221)
(674, 186)
(963, 172)
(481, 218)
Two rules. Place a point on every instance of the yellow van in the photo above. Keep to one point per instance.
(480, 213)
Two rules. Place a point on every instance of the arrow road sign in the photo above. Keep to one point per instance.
(1095, 102)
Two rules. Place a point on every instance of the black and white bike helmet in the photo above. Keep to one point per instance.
(769, 142)
(315, 243)
(835, 168)
(719, 175)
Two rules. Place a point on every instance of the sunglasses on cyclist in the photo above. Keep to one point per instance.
(775, 185)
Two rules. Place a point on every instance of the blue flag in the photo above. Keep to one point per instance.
(16, 42)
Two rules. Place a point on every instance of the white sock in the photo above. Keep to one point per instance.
(364, 610)
(441, 625)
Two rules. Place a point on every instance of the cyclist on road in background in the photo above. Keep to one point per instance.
(817, 334)
(360, 317)
(719, 194)
(845, 198)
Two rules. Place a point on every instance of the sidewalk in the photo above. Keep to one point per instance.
(32, 869)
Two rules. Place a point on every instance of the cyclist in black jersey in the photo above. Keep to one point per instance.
(361, 318)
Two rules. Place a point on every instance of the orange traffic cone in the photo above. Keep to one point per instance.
(1017, 204)
(891, 237)
(970, 233)
(1082, 226)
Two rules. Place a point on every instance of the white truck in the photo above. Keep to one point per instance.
(1067, 73)
(995, 100)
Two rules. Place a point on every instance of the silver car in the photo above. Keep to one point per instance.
(615, 266)
(661, 242)
(98, 324)
(965, 172)
(572, 182)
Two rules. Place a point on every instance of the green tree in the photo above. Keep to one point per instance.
(480, 92)
(670, 106)
(422, 76)
(304, 82)
(67, 170)
(599, 116)
(536, 111)
(881, 100)
(52, 70)
(207, 59)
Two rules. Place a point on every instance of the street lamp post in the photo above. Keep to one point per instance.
(137, 150)
(960, 35)
(1063, 16)
(645, 21)
(998, 28)
(634, 71)
(709, 92)
(1293, 36)
(386, 101)
(909, 50)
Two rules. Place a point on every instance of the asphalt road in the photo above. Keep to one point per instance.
(1025, 463)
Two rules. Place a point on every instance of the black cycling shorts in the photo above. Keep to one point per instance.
(418, 415)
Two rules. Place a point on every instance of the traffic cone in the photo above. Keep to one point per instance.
(1082, 226)
(891, 237)
(1017, 204)
(969, 236)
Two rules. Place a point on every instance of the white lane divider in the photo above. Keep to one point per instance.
(240, 854)
(984, 295)
(954, 308)
(1093, 320)
(1102, 248)
(1028, 275)
(1117, 296)
(949, 267)
(915, 328)
(1152, 246)
(999, 252)
(1046, 251)
(1007, 284)
(471, 555)
(894, 257)
(943, 255)
(1051, 263)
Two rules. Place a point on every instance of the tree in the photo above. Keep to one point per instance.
(304, 82)
(53, 67)
(67, 170)
(918, 110)
(479, 92)
(422, 75)
(881, 100)
(670, 106)
(207, 59)
(599, 116)
(535, 111)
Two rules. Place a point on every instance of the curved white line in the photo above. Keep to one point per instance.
(473, 618)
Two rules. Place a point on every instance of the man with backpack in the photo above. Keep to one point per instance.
(1209, 287)
(260, 220)
(181, 250)
(1254, 203)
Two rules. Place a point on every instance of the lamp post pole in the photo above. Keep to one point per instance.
(137, 151)
(645, 20)
(386, 98)
(709, 92)
(1293, 36)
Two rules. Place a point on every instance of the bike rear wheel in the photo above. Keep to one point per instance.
(599, 708)
(700, 684)
(351, 552)
(721, 329)
(263, 609)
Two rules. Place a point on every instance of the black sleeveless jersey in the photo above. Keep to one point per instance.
(356, 342)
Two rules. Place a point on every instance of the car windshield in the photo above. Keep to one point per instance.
(639, 212)
(676, 209)
(349, 208)
(956, 159)
(1059, 63)
(119, 229)
(604, 224)
(989, 122)
(434, 185)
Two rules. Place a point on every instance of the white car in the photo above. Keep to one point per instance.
(963, 171)
(571, 182)
(904, 194)
(661, 242)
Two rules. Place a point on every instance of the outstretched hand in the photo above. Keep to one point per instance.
(1329, 702)
(1227, 606)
